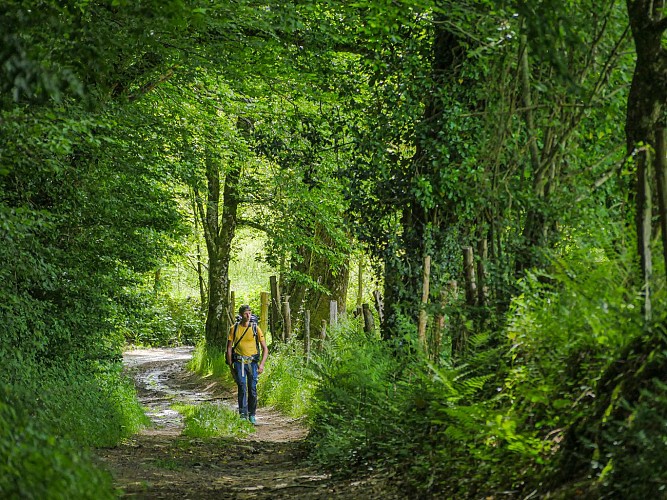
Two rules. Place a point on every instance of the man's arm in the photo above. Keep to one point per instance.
(265, 354)
(229, 352)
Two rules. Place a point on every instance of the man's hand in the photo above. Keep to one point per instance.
(260, 368)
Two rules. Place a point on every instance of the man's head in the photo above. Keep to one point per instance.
(243, 309)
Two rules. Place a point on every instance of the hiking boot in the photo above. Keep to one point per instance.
(252, 419)
(243, 416)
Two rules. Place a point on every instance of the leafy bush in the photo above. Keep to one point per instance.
(162, 320)
(93, 409)
(49, 417)
(358, 409)
(35, 464)
(495, 421)
(383, 406)
(565, 329)
(636, 459)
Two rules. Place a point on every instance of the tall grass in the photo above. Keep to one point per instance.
(213, 420)
(210, 362)
(96, 410)
(287, 383)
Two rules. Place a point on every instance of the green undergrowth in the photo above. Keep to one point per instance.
(150, 319)
(51, 417)
(495, 419)
(287, 382)
(212, 420)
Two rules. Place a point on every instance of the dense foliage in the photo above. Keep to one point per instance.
(85, 214)
(500, 421)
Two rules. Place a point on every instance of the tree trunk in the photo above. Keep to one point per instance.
(318, 268)
(306, 334)
(200, 271)
(369, 322)
(645, 115)
(535, 225)
(423, 316)
(360, 283)
(661, 175)
(219, 234)
(275, 314)
(420, 223)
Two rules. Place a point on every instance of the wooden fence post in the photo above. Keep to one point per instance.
(264, 311)
(482, 289)
(421, 330)
(439, 326)
(274, 317)
(323, 334)
(469, 269)
(360, 282)
(447, 296)
(306, 334)
(369, 322)
(379, 305)
(333, 313)
(231, 314)
(287, 320)
(232, 304)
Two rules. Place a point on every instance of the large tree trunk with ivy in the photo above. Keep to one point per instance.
(219, 234)
(645, 116)
(421, 221)
(331, 281)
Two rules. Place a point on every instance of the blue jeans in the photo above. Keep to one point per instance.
(245, 375)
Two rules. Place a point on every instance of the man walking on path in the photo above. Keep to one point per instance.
(243, 357)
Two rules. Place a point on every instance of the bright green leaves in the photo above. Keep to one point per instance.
(423, 192)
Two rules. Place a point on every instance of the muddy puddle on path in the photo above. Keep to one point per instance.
(160, 462)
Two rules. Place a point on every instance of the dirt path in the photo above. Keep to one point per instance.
(161, 463)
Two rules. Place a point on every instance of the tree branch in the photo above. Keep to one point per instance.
(146, 88)
(661, 25)
(256, 225)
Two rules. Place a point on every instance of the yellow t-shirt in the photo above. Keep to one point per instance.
(247, 345)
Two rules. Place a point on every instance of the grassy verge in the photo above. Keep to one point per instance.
(212, 420)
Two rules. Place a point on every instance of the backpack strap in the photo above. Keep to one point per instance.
(254, 332)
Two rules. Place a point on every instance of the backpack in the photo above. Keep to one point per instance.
(253, 324)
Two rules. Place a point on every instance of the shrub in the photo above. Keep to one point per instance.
(93, 409)
(636, 448)
(162, 320)
(48, 420)
(358, 408)
(35, 464)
